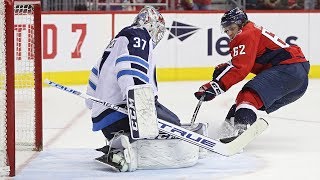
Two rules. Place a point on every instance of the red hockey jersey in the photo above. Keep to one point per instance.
(255, 49)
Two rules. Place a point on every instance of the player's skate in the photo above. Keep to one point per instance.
(231, 130)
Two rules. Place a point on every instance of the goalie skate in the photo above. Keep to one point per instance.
(104, 149)
(114, 160)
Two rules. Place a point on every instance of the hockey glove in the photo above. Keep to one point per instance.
(219, 69)
(209, 90)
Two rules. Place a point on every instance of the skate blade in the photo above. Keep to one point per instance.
(114, 169)
(104, 149)
(228, 140)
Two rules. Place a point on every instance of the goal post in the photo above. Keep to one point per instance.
(7, 126)
(20, 81)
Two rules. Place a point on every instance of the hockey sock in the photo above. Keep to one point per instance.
(249, 96)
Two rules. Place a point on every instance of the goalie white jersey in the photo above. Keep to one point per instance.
(126, 61)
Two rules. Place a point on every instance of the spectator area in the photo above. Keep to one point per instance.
(134, 5)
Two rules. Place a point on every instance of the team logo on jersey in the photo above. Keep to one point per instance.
(181, 31)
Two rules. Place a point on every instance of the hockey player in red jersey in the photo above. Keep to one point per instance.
(281, 72)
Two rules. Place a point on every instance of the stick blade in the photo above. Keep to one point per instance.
(246, 137)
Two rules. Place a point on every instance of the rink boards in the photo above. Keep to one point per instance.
(192, 45)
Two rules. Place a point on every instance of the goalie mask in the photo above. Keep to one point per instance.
(153, 21)
(233, 16)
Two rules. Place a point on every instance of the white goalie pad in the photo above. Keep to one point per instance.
(142, 112)
(165, 154)
(153, 154)
(200, 128)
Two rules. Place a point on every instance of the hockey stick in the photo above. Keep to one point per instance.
(195, 113)
(216, 146)
(85, 96)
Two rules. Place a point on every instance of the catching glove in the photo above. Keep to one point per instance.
(209, 90)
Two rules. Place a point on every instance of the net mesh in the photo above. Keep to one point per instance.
(3, 131)
(24, 44)
(24, 76)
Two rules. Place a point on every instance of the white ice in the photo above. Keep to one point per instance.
(288, 149)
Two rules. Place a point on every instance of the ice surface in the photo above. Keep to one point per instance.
(78, 164)
(288, 149)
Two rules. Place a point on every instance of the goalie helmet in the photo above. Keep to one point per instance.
(235, 15)
(153, 21)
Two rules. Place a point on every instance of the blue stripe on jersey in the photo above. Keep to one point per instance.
(133, 73)
(94, 71)
(133, 59)
(274, 57)
(92, 85)
(107, 120)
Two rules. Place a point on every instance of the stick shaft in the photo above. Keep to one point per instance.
(195, 113)
(85, 96)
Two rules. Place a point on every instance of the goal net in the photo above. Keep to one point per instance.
(20, 81)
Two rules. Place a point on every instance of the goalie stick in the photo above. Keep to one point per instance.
(216, 146)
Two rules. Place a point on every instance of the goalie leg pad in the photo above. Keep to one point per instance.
(203, 130)
(149, 154)
(200, 128)
(165, 154)
(142, 112)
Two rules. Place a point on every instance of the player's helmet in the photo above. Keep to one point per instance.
(235, 15)
(153, 21)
